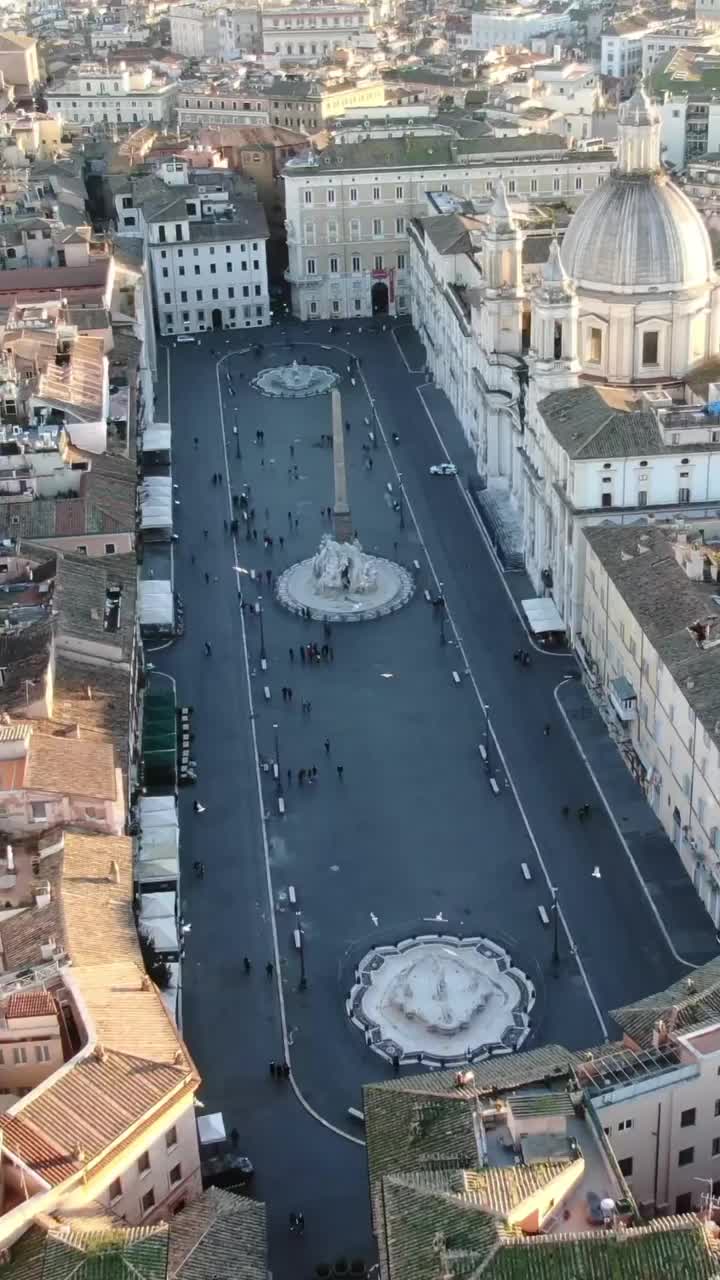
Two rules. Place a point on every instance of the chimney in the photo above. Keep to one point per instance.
(100, 1054)
(89, 693)
(114, 875)
(145, 983)
(9, 857)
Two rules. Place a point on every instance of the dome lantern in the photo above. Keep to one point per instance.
(638, 135)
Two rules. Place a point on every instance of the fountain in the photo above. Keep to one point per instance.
(441, 1000)
(295, 381)
(341, 583)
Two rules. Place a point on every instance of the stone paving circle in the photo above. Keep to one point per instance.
(441, 1000)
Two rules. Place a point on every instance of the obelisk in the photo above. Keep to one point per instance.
(343, 523)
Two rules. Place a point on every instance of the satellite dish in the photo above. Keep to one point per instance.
(607, 1206)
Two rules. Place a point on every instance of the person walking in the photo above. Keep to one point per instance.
(289, 694)
(302, 654)
(273, 1069)
(327, 746)
(234, 1137)
(340, 772)
(291, 652)
(246, 964)
(289, 777)
(205, 533)
(546, 730)
(208, 649)
(269, 968)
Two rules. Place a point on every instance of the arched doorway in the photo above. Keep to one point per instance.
(217, 318)
(379, 295)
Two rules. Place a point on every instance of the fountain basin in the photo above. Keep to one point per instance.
(341, 583)
(441, 1000)
(295, 381)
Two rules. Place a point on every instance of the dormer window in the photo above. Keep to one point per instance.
(650, 347)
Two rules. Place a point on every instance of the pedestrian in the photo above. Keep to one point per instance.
(314, 771)
(292, 450)
(192, 558)
(546, 730)
(565, 810)
(308, 708)
(347, 425)
(331, 653)
(208, 649)
(300, 1217)
(214, 478)
(254, 535)
(325, 650)
(273, 1069)
(289, 694)
(297, 524)
(234, 1136)
(205, 533)
(327, 746)
(284, 693)
(293, 1222)
(246, 964)
(281, 540)
(291, 652)
(289, 777)
(301, 776)
(219, 477)
(269, 969)
(327, 630)
(340, 772)
(581, 813)
(302, 654)
(290, 519)
(268, 576)
(286, 1074)
(196, 442)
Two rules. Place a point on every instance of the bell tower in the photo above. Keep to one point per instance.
(502, 243)
(553, 356)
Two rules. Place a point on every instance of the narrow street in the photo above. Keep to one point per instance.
(410, 839)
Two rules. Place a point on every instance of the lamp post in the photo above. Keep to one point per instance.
(236, 434)
(277, 756)
(400, 501)
(301, 948)
(442, 612)
(259, 609)
(556, 946)
(488, 768)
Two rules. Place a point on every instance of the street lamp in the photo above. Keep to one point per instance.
(556, 913)
(236, 434)
(488, 768)
(259, 610)
(300, 942)
(277, 756)
(441, 602)
(400, 501)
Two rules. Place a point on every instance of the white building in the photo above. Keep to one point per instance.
(560, 390)
(113, 96)
(208, 257)
(682, 35)
(308, 32)
(202, 107)
(621, 52)
(516, 26)
(708, 12)
(648, 640)
(116, 35)
(690, 127)
(218, 31)
(349, 210)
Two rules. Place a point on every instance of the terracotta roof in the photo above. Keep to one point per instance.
(99, 925)
(96, 699)
(30, 1004)
(68, 280)
(136, 1253)
(70, 767)
(23, 1140)
(689, 1002)
(79, 385)
(12, 774)
(81, 586)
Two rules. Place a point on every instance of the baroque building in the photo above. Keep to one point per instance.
(582, 392)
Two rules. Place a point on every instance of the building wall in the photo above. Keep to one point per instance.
(131, 108)
(621, 55)
(490, 30)
(345, 236)
(30, 1050)
(167, 1168)
(29, 813)
(683, 768)
(20, 67)
(304, 33)
(188, 290)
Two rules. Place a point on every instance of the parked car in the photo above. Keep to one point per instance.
(444, 469)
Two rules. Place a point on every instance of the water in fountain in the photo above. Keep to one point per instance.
(294, 381)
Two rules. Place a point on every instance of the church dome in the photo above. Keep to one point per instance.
(638, 231)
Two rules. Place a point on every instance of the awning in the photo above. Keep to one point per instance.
(156, 871)
(156, 439)
(157, 906)
(542, 615)
(157, 607)
(162, 933)
(156, 503)
(211, 1128)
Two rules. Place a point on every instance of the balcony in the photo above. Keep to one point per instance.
(302, 277)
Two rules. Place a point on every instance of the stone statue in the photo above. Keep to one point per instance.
(339, 567)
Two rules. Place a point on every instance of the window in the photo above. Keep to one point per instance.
(307, 197)
(511, 186)
(378, 262)
(557, 340)
(683, 1203)
(606, 499)
(650, 347)
(356, 263)
(115, 1190)
(624, 1124)
(353, 195)
(197, 271)
(626, 1166)
(127, 202)
(399, 226)
(533, 185)
(311, 267)
(109, 550)
(246, 291)
(231, 291)
(399, 193)
(215, 294)
(377, 227)
(642, 497)
(168, 318)
(183, 295)
(313, 308)
(683, 495)
(42, 1053)
(687, 1118)
(19, 1055)
(143, 1163)
(578, 184)
(376, 193)
(165, 273)
(401, 261)
(715, 1148)
(331, 197)
(175, 1175)
(228, 266)
(171, 1138)
(148, 1201)
(181, 271)
(358, 304)
(686, 1156)
(213, 268)
(38, 808)
(594, 346)
(167, 299)
(256, 264)
(556, 184)
(333, 269)
(198, 295)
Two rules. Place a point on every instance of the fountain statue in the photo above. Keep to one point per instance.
(295, 381)
(341, 583)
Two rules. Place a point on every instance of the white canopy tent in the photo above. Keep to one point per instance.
(543, 616)
(157, 604)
